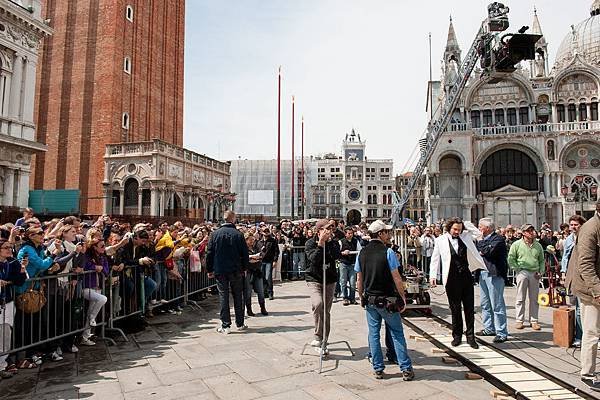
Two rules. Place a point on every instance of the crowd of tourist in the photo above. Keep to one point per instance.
(80, 266)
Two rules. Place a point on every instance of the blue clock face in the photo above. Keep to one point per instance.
(354, 194)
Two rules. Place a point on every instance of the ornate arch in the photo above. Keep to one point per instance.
(514, 78)
(445, 153)
(539, 162)
(576, 68)
(575, 143)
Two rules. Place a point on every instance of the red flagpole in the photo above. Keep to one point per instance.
(302, 166)
(279, 145)
(293, 177)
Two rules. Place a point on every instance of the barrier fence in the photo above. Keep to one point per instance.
(71, 304)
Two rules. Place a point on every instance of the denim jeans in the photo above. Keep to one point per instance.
(299, 257)
(347, 275)
(226, 282)
(394, 322)
(149, 288)
(160, 277)
(267, 272)
(251, 281)
(493, 308)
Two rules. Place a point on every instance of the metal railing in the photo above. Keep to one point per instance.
(65, 316)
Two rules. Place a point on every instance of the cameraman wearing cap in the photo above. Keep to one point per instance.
(381, 291)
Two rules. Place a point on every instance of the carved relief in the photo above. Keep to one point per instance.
(503, 91)
(20, 36)
(577, 85)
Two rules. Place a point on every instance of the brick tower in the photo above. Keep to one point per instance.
(112, 72)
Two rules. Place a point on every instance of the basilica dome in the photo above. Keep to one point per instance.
(583, 39)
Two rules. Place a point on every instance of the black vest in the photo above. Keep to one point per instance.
(459, 262)
(375, 269)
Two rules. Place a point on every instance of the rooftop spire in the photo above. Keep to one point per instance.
(537, 28)
(452, 43)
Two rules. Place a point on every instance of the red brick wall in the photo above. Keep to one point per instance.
(82, 89)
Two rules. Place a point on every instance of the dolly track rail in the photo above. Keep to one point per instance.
(486, 375)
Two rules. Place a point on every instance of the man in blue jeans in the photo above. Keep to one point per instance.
(381, 291)
(226, 256)
(491, 282)
(349, 245)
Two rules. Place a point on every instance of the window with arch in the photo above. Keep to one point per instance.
(125, 121)
(583, 112)
(572, 113)
(508, 167)
(476, 119)
(560, 111)
(127, 65)
(129, 13)
(511, 116)
(594, 111)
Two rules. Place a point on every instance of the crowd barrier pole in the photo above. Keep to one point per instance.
(58, 323)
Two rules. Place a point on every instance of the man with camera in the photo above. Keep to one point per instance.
(137, 255)
(381, 292)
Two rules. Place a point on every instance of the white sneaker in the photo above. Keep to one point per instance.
(87, 342)
(153, 302)
(224, 331)
(242, 328)
(93, 322)
(59, 351)
(56, 357)
(163, 301)
(315, 343)
(74, 349)
(325, 350)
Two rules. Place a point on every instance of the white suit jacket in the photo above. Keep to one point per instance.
(441, 255)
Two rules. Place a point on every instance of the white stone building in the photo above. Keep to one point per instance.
(350, 186)
(159, 179)
(21, 31)
(526, 149)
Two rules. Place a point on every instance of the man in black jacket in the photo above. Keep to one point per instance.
(347, 275)
(226, 256)
(136, 255)
(269, 251)
(321, 253)
(491, 282)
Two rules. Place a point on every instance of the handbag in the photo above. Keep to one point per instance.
(195, 264)
(32, 300)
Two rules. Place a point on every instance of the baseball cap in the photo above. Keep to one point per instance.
(527, 227)
(379, 225)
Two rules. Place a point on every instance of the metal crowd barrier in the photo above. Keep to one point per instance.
(293, 263)
(59, 321)
(64, 317)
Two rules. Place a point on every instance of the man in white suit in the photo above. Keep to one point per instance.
(458, 257)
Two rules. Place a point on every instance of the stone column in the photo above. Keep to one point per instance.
(153, 202)
(140, 209)
(15, 89)
(29, 90)
(122, 201)
(161, 202)
(9, 188)
(466, 186)
(106, 201)
(23, 189)
(554, 114)
(547, 185)
(589, 111)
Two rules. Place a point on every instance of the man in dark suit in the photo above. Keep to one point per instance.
(491, 282)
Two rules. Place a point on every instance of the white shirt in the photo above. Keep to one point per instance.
(454, 243)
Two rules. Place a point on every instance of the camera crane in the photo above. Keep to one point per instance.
(496, 61)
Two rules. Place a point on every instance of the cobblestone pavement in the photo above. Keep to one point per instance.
(179, 357)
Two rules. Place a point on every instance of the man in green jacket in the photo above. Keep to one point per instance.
(526, 258)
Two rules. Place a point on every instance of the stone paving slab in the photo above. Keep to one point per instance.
(183, 357)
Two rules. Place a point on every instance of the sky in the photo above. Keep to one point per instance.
(361, 64)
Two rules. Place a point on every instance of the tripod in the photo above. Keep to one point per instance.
(323, 341)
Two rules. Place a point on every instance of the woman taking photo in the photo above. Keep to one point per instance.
(93, 283)
(12, 273)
